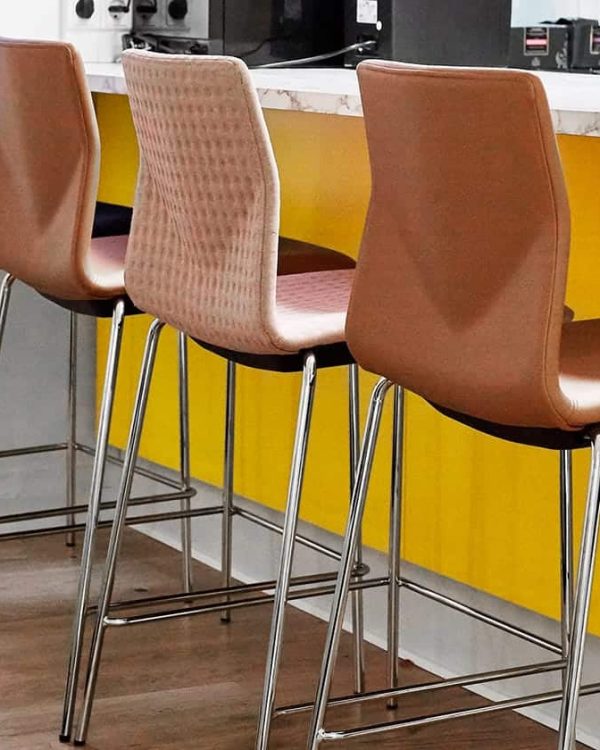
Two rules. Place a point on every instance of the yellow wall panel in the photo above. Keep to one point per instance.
(477, 510)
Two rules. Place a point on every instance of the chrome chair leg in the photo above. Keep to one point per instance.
(184, 464)
(358, 616)
(566, 547)
(393, 609)
(287, 550)
(5, 290)
(227, 521)
(71, 452)
(131, 454)
(87, 551)
(572, 680)
(340, 599)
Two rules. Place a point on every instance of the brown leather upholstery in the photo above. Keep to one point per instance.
(49, 161)
(460, 286)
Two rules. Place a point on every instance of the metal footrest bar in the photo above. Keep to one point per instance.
(134, 521)
(271, 526)
(33, 449)
(36, 515)
(141, 471)
(480, 678)
(257, 601)
(512, 704)
(495, 622)
(242, 588)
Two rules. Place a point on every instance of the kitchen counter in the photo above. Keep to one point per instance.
(574, 98)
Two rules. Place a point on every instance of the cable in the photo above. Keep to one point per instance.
(318, 58)
(258, 48)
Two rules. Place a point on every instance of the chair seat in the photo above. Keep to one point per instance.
(580, 370)
(105, 264)
(105, 267)
(311, 309)
(310, 316)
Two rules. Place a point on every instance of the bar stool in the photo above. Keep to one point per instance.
(203, 257)
(458, 297)
(49, 155)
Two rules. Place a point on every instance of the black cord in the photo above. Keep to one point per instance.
(251, 52)
(359, 46)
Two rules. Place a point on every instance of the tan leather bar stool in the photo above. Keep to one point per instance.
(203, 257)
(458, 297)
(49, 159)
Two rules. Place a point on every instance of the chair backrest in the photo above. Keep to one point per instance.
(49, 165)
(203, 248)
(461, 278)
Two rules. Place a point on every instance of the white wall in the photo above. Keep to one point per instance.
(99, 39)
(31, 19)
(526, 12)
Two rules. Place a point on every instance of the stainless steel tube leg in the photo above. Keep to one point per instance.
(71, 453)
(287, 550)
(566, 546)
(572, 681)
(131, 454)
(87, 552)
(227, 522)
(5, 290)
(184, 464)
(340, 598)
(358, 615)
(394, 544)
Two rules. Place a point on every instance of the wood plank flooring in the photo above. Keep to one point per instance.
(193, 684)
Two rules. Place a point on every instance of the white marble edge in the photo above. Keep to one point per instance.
(574, 98)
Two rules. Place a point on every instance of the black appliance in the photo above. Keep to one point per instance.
(258, 31)
(543, 47)
(430, 32)
(584, 43)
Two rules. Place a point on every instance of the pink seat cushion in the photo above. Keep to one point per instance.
(311, 309)
(105, 263)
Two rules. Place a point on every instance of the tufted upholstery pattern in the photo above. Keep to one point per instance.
(205, 233)
(49, 161)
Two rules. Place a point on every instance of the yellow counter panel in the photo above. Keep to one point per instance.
(477, 510)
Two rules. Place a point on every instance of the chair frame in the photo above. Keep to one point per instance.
(230, 597)
(575, 610)
(174, 489)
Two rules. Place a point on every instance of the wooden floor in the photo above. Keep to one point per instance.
(194, 684)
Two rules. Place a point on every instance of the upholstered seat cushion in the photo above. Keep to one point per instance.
(311, 309)
(105, 264)
(580, 370)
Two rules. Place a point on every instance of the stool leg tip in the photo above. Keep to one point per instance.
(64, 738)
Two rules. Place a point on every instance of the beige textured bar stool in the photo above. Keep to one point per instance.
(203, 257)
(49, 165)
(458, 297)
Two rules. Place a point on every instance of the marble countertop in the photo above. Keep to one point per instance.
(574, 98)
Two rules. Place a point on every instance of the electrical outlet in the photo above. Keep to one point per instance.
(116, 14)
(76, 9)
(149, 14)
(192, 14)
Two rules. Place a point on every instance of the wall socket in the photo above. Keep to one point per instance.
(98, 36)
